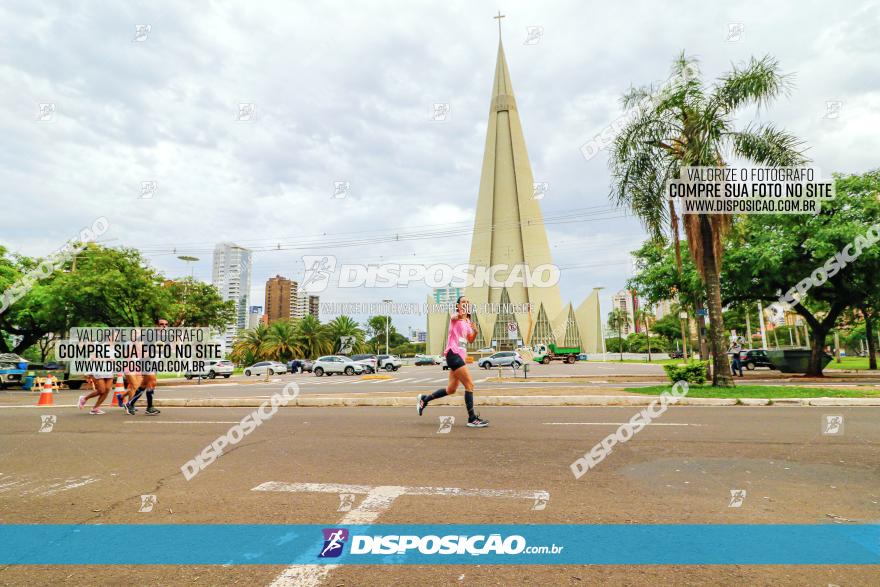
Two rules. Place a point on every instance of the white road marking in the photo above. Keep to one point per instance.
(151, 422)
(378, 500)
(402, 380)
(60, 485)
(617, 424)
(196, 385)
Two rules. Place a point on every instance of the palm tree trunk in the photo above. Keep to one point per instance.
(673, 218)
(869, 333)
(721, 375)
(648, 336)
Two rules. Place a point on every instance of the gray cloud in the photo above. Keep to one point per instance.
(343, 92)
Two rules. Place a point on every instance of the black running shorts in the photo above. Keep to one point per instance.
(454, 360)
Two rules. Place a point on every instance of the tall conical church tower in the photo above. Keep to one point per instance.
(509, 232)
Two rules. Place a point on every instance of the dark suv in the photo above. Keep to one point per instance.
(755, 358)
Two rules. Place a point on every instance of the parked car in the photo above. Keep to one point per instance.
(502, 359)
(368, 361)
(389, 362)
(263, 367)
(331, 364)
(297, 365)
(425, 360)
(213, 369)
(676, 354)
(755, 358)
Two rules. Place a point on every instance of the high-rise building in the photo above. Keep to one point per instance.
(509, 235)
(231, 275)
(418, 336)
(303, 305)
(448, 294)
(663, 308)
(280, 295)
(627, 302)
(255, 316)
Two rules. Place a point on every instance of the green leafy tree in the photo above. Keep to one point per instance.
(768, 255)
(196, 304)
(689, 124)
(313, 338)
(617, 321)
(644, 316)
(345, 326)
(248, 346)
(282, 342)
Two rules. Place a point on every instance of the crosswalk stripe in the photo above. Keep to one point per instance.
(402, 380)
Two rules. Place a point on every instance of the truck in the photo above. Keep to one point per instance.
(12, 370)
(544, 353)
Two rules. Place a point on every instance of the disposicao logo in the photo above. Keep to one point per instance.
(334, 540)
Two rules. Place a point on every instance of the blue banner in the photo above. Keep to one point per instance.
(426, 544)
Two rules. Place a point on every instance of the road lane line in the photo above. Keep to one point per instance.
(182, 422)
(377, 501)
(617, 424)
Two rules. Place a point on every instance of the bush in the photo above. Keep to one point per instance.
(692, 372)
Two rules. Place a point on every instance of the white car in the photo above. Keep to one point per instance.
(213, 368)
(336, 364)
(263, 367)
(389, 362)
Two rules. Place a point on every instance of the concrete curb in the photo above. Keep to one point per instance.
(501, 400)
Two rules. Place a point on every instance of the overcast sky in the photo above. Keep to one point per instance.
(344, 91)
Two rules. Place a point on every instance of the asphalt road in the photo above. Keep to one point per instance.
(95, 469)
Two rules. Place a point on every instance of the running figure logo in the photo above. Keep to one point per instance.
(334, 540)
(832, 424)
(318, 269)
(737, 497)
(147, 503)
(47, 423)
(446, 423)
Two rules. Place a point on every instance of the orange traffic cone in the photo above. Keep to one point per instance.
(119, 390)
(46, 397)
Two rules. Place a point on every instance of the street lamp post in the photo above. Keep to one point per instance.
(387, 325)
(189, 260)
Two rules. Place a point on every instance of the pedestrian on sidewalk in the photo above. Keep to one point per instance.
(734, 350)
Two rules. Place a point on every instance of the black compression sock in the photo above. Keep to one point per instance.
(149, 399)
(137, 395)
(469, 404)
(436, 395)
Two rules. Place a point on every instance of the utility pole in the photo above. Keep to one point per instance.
(761, 323)
(748, 328)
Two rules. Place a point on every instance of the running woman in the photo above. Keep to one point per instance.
(102, 385)
(101, 380)
(148, 384)
(461, 332)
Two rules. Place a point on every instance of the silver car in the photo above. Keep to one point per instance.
(502, 359)
(336, 364)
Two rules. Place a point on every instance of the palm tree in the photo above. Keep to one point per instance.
(248, 345)
(643, 315)
(686, 124)
(312, 337)
(344, 326)
(282, 342)
(617, 319)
